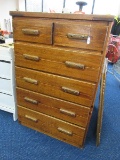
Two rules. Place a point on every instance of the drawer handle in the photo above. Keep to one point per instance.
(65, 131)
(77, 36)
(30, 100)
(71, 91)
(31, 118)
(33, 81)
(29, 57)
(30, 31)
(74, 65)
(69, 113)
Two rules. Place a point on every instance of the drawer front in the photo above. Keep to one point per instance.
(52, 126)
(6, 86)
(7, 100)
(60, 87)
(63, 110)
(5, 69)
(78, 64)
(80, 35)
(32, 30)
(6, 53)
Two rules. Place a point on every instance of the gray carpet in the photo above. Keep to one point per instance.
(21, 143)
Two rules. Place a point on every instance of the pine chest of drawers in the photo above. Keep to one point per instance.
(58, 59)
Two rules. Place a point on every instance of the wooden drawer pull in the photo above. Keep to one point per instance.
(64, 131)
(74, 65)
(33, 81)
(30, 31)
(29, 57)
(71, 91)
(30, 100)
(31, 118)
(77, 36)
(69, 113)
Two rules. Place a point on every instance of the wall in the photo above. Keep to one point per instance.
(107, 7)
(71, 5)
(21, 5)
(9, 5)
(34, 5)
(6, 6)
(57, 6)
(101, 6)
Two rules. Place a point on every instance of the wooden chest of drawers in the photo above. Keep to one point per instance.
(59, 59)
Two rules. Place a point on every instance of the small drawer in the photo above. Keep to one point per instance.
(6, 52)
(63, 110)
(72, 90)
(5, 69)
(79, 64)
(32, 30)
(52, 126)
(6, 86)
(7, 100)
(80, 35)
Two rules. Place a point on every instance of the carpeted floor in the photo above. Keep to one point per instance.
(21, 143)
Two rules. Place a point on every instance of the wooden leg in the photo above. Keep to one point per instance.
(101, 106)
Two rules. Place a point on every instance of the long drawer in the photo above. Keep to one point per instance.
(52, 126)
(63, 110)
(32, 30)
(60, 87)
(5, 69)
(77, 35)
(78, 64)
(7, 101)
(6, 86)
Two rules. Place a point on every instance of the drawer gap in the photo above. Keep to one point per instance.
(6, 94)
(5, 61)
(5, 78)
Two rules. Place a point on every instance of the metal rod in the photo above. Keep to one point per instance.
(93, 6)
(25, 5)
(64, 1)
(42, 5)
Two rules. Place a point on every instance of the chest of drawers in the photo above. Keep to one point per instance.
(58, 59)
(7, 80)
